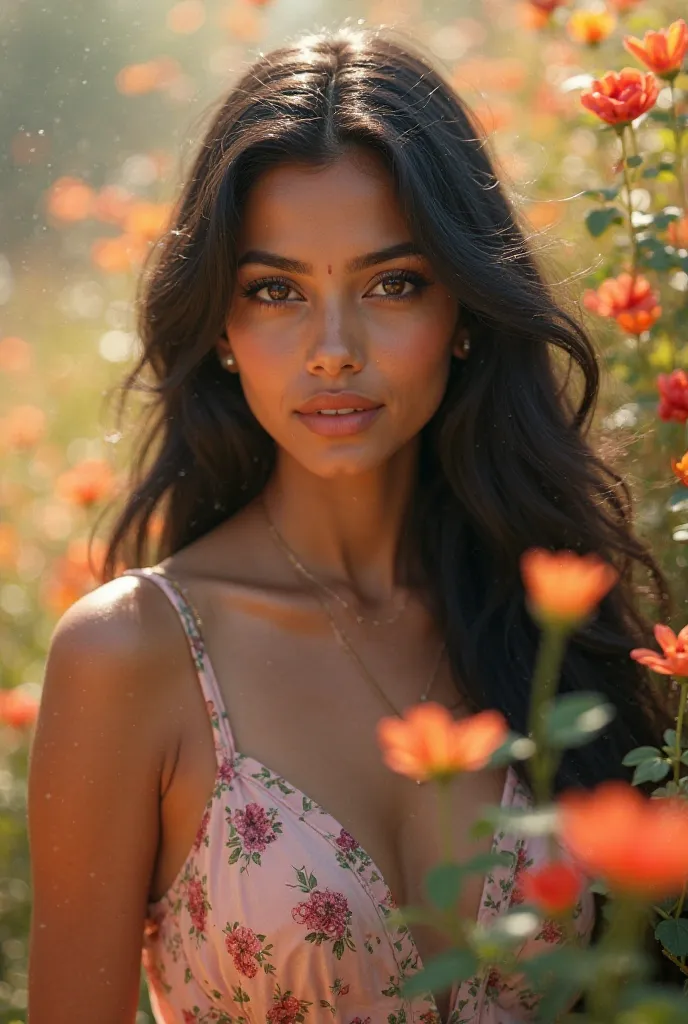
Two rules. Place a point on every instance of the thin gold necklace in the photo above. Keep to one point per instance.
(328, 590)
(340, 635)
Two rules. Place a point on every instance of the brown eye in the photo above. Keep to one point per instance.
(278, 291)
(394, 285)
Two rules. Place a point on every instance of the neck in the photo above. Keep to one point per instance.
(348, 530)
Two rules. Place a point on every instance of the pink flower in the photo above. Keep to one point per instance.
(323, 912)
(253, 825)
(242, 945)
(196, 903)
(285, 1012)
(345, 841)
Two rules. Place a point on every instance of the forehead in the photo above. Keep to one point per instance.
(298, 209)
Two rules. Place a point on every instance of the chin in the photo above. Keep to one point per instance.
(333, 464)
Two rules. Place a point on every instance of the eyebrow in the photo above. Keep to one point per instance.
(291, 266)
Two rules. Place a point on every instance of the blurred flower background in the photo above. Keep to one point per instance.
(102, 106)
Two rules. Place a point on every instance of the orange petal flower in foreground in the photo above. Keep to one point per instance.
(618, 97)
(637, 845)
(553, 888)
(632, 302)
(663, 51)
(565, 587)
(86, 483)
(674, 648)
(591, 27)
(428, 743)
(673, 396)
(17, 709)
(680, 468)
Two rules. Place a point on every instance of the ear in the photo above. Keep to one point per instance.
(458, 343)
(224, 349)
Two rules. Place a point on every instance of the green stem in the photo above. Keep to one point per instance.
(625, 929)
(445, 819)
(544, 687)
(678, 139)
(678, 748)
(629, 203)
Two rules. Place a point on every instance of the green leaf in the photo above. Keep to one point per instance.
(653, 770)
(659, 259)
(661, 1004)
(684, 757)
(597, 221)
(674, 936)
(574, 718)
(650, 172)
(514, 748)
(481, 863)
(670, 737)
(634, 161)
(443, 885)
(441, 972)
(663, 220)
(606, 193)
(640, 754)
(678, 500)
(557, 997)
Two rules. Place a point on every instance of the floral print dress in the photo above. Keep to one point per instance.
(278, 916)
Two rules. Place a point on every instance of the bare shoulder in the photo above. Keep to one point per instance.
(107, 725)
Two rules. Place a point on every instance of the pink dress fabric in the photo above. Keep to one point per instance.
(278, 916)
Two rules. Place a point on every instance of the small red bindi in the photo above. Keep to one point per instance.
(329, 268)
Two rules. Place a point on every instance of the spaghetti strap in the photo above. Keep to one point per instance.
(191, 624)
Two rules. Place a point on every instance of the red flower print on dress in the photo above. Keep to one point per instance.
(362, 1020)
(323, 912)
(242, 945)
(251, 831)
(430, 1017)
(197, 905)
(246, 950)
(225, 775)
(551, 932)
(345, 841)
(202, 834)
(287, 1009)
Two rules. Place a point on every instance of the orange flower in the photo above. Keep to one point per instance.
(23, 427)
(563, 587)
(147, 220)
(624, 5)
(621, 96)
(663, 51)
(638, 845)
(631, 301)
(673, 396)
(9, 546)
(111, 204)
(120, 254)
(675, 649)
(186, 17)
(591, 27)
(680, 468)
(17, 709)
(74, 575)
(88, 482)
(553, 888)
(70, 199)
(15, 355)
(677, 232)
(427, 743)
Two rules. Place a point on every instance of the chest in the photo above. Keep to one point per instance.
(300, 712)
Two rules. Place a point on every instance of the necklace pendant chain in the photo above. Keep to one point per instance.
(339, 634)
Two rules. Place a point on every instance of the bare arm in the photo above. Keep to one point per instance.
(97, 760)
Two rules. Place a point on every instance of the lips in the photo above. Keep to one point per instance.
(338, 402)
(338, 414)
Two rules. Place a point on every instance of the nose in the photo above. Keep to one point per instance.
(337, 346)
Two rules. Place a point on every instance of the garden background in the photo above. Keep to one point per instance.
(101, 105)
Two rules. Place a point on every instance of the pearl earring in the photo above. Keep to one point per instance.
(228, 362)
(467, 346)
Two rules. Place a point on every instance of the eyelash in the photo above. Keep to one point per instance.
(412, 276)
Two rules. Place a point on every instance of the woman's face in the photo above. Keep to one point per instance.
(331, 301)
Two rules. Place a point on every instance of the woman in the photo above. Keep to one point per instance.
(357, 427)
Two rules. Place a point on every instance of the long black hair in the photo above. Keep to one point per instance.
(505, 463)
